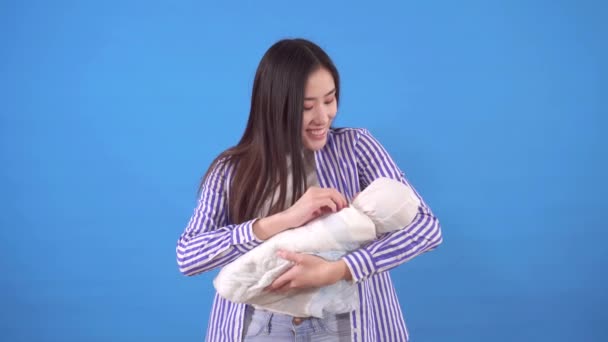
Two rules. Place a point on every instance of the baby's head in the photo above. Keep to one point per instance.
(391, 204)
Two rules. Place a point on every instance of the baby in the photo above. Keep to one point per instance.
(385, 205)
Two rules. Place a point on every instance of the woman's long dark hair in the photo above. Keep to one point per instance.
(274, 130)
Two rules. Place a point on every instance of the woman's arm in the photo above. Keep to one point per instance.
(390, 250)
(393, 249)
(208, 241)
(244, 279)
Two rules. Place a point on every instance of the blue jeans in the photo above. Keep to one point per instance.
(263, 326)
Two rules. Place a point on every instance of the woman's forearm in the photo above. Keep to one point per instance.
(269, 226)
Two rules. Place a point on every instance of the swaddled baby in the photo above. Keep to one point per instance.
(385, 205)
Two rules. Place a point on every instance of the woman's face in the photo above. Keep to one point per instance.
(320, 108)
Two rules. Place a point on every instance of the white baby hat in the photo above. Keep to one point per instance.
(389, 208)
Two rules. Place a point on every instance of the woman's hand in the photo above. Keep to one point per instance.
(309, 271)
(314, 203)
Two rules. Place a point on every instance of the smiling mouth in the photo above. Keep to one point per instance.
(317, 133)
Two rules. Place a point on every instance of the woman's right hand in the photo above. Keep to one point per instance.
(314, 203)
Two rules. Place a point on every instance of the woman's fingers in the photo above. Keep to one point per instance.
(309, 271)
(283, 282)
(336, 197)
(328, 203)
(290, 256)
(314, 203)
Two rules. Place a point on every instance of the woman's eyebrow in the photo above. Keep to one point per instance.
(313, 98)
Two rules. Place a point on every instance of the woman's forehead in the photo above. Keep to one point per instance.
(319, 84)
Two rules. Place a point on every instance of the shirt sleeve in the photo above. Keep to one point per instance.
(208, 240)
(395, 248)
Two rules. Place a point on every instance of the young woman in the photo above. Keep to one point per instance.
(290, 167)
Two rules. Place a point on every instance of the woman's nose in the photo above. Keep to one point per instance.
(323, 115)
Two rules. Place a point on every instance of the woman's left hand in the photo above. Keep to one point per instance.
(308, 271)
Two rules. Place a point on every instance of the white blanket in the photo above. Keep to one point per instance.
(384, 206)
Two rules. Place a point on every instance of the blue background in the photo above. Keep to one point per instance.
(110, 113)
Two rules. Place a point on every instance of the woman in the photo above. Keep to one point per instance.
(290, 167)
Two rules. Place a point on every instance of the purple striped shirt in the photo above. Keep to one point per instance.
(351, 159)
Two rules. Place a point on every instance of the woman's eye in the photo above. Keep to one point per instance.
(329, 101)
(307, 108)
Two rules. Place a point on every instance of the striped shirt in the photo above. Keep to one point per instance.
(351, 159)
